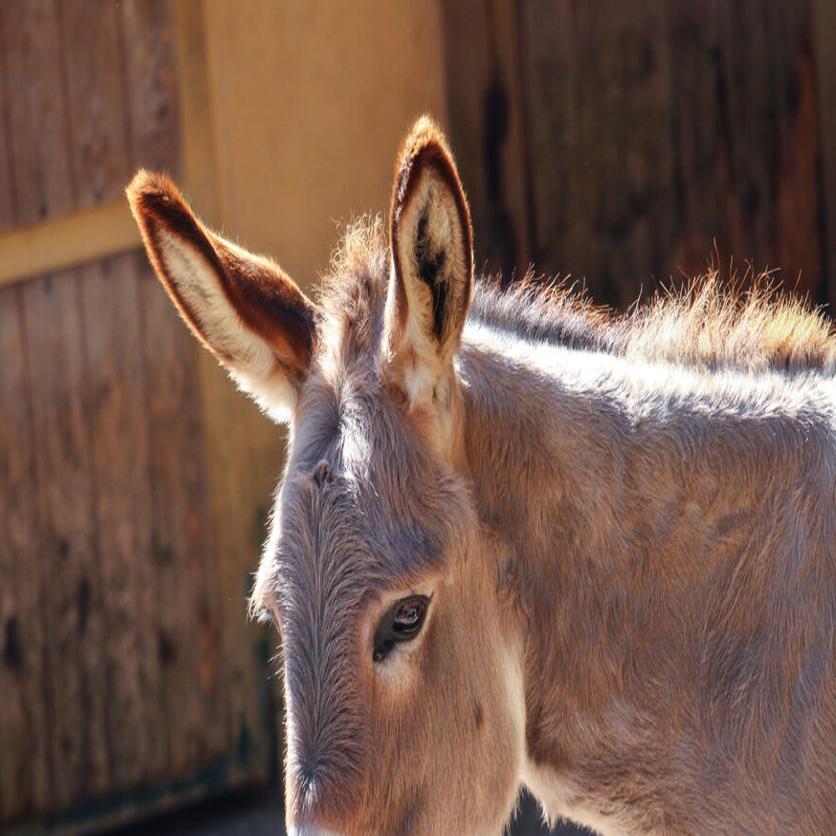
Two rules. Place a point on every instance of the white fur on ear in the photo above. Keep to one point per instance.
(432, 264)
(242, 307)
(247, 357)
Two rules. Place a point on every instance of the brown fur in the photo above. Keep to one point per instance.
(425, 148)
(705, 324)
(626, 524)
(265, 298)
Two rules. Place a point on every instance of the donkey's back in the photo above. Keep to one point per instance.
(691, 534)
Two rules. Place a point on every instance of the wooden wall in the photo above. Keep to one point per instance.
(625, 143)
(116, 686)
(134, 479)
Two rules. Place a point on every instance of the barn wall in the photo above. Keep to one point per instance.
(109, 648)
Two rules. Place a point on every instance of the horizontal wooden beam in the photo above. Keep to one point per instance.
(72, 239)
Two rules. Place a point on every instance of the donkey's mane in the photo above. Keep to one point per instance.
(710, 323)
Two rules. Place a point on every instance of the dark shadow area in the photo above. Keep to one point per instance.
(246, 813)
(261, 813)
(529, 822)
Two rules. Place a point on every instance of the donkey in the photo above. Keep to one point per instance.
(521, 541)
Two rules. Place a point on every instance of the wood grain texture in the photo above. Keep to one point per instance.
(184, 623)
(238, 451)
(94, 97)
(598, 111)
(186, 618)
(24, 717)
(242, 449)
(771, 122)
(485, 101)
(182, 526)
(660, 131)
(701, 166)
(154, 136)
(824, 27)
(66, 241)
(113, 674)
(7, 201)
(96, 100)
(39, 148)
(74, 619)
(122, 497)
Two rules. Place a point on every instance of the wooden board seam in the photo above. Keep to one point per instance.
(72, 239)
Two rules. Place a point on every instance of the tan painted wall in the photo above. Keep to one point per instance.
(307, 104)
(310, 102)
(293, 113)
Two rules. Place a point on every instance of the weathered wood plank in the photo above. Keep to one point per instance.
(598, 113)
(700, 155)
(63, 242)
(41, 167)
(824, 27)
(750, 151)
(136, 690)
(100, 157)
(182, 616)
(153, 142)
(110, 301)
(101, 132)
(771, 130)
(92, 42)
(188, 634)
(745, 137)
(152, 85)
(484, 94)
(74, 613)
(7, 208)
(660, 130)
(549, 77)
(798, 234)
(24, 718)
(184, 628)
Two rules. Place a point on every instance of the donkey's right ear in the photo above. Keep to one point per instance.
(431, 278)
(242, 307)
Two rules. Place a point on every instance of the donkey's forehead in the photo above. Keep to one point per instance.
(349, 418)
(333, 536)
(363, 505)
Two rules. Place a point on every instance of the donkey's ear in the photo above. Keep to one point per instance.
(432, 263)
(242, 307)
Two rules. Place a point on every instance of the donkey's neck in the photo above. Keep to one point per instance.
(624, 495)
(560, 476)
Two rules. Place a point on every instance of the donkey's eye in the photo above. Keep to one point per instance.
(402, 622)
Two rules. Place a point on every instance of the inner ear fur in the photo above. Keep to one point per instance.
(241, 306)
(432, 249)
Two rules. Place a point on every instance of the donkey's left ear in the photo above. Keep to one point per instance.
(432, 264)
(241, 306)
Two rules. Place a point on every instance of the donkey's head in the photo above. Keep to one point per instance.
(404, 707)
